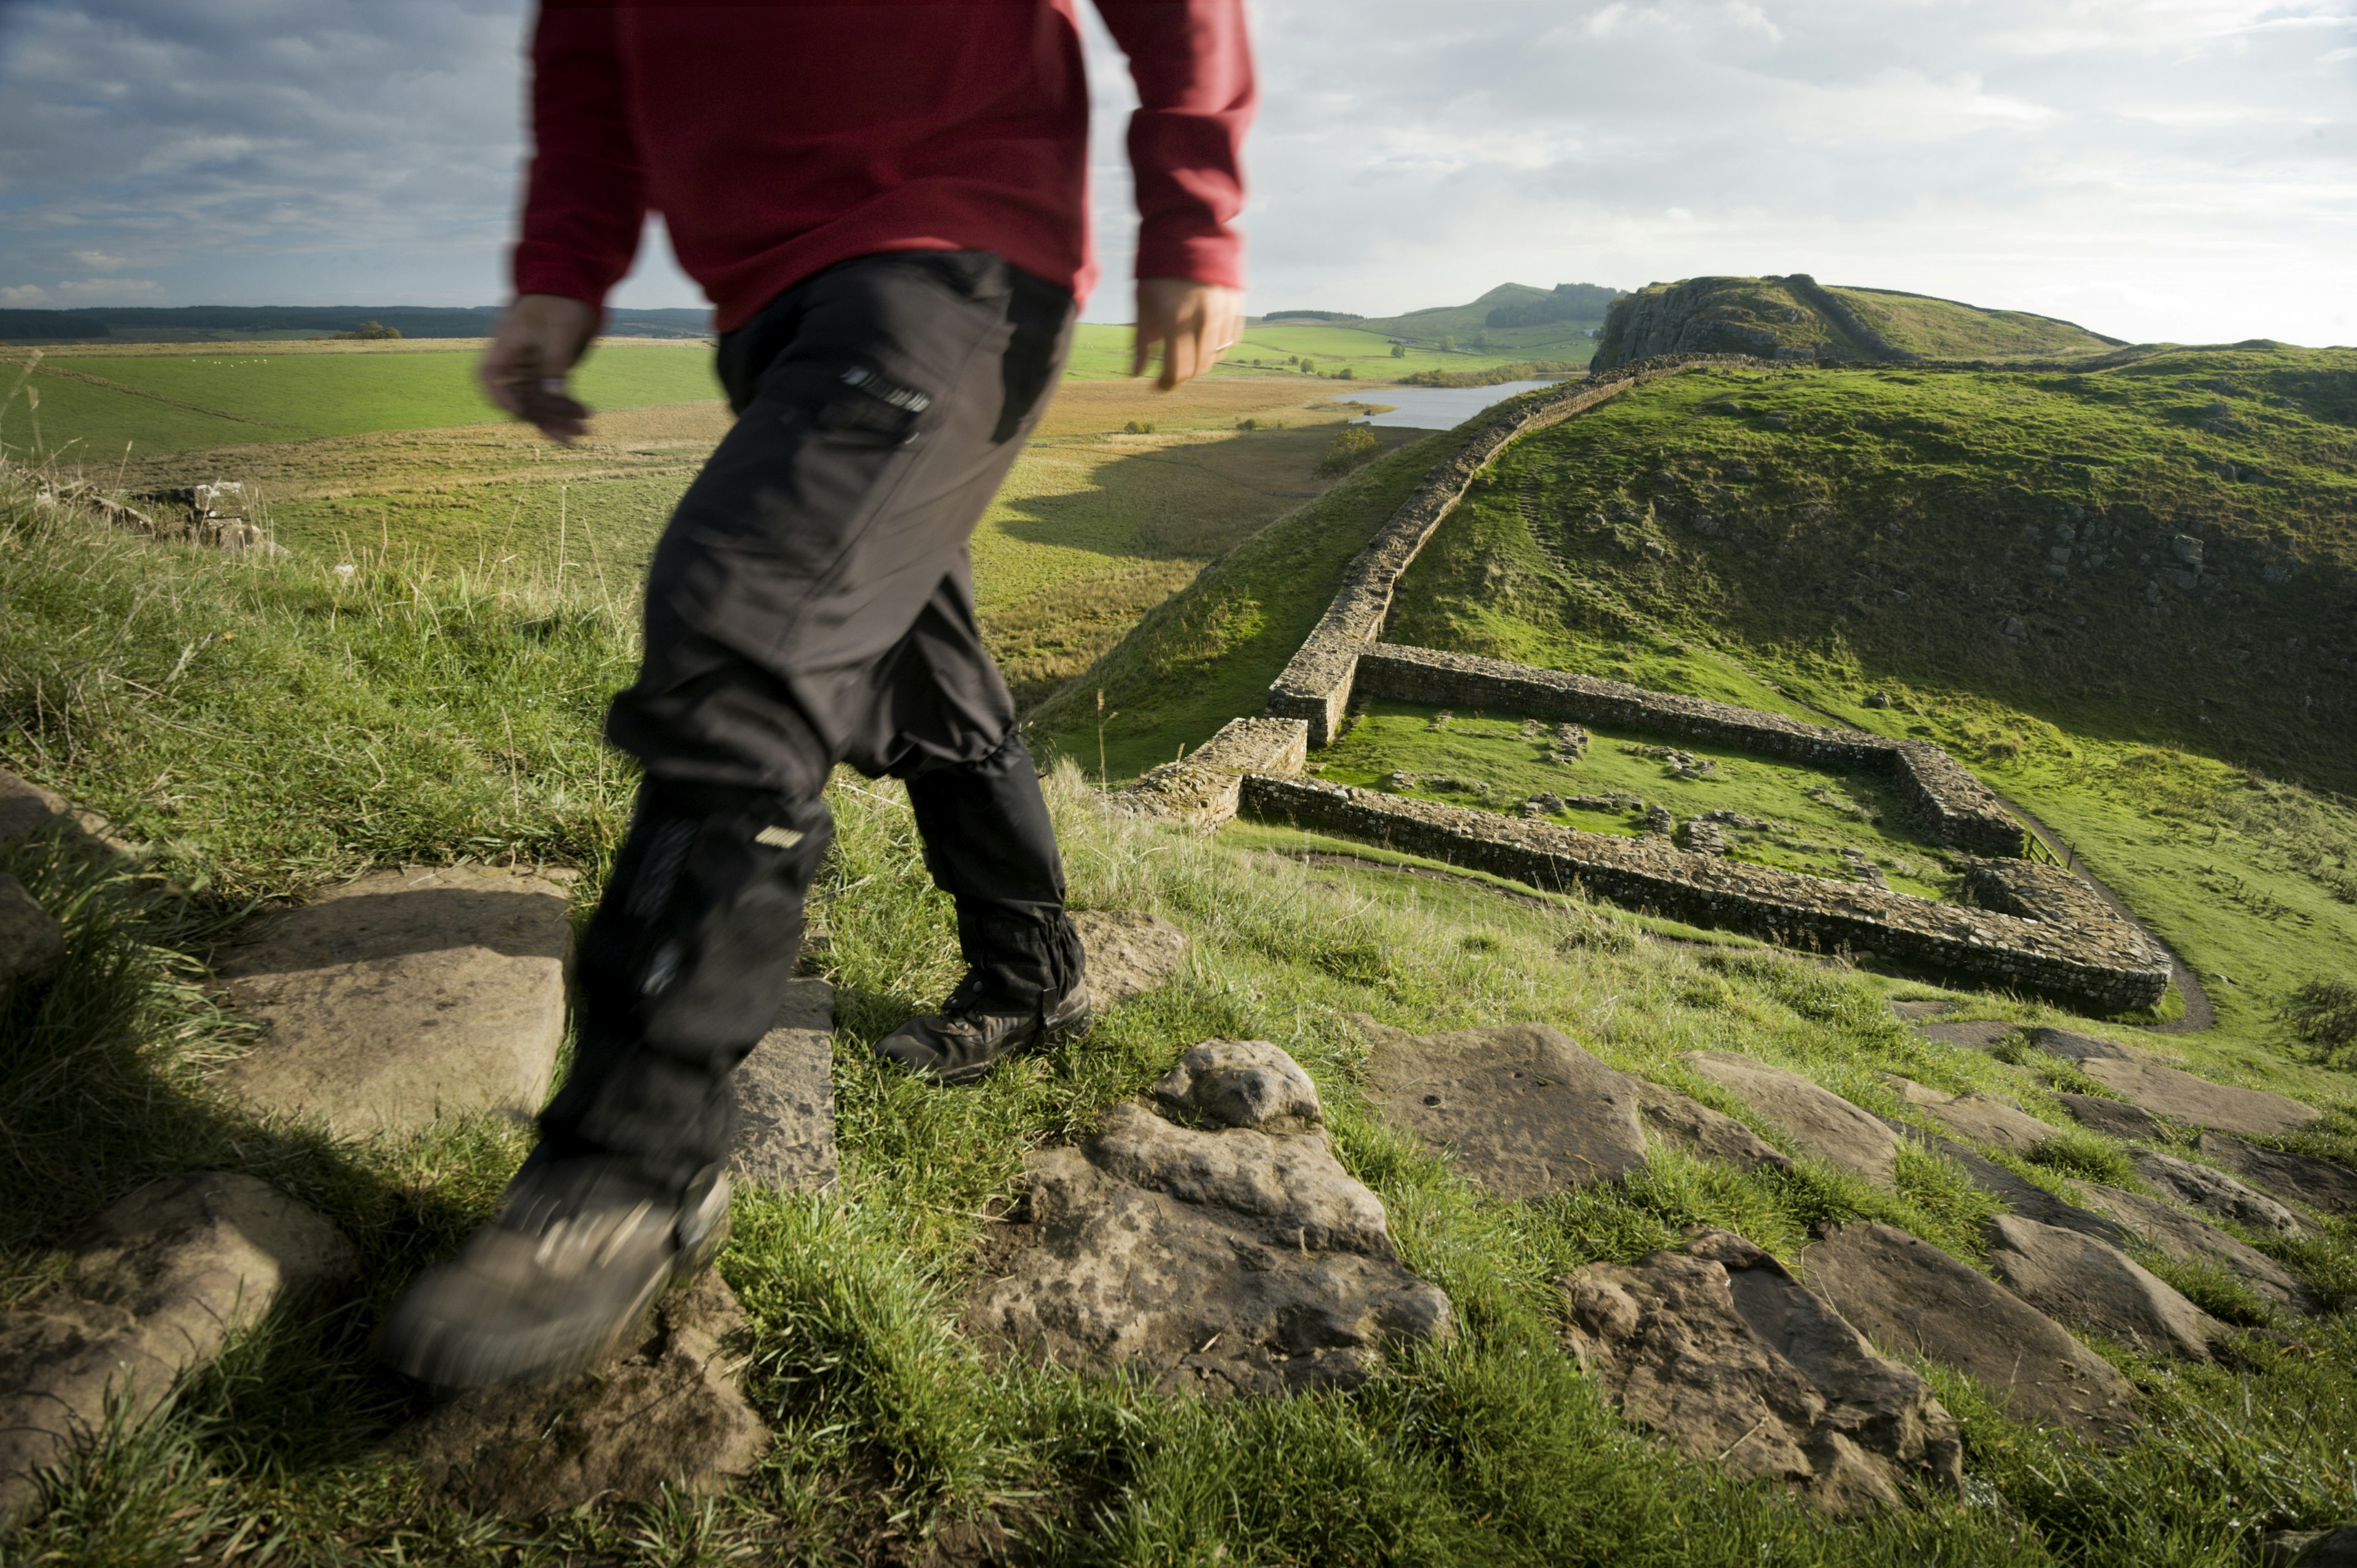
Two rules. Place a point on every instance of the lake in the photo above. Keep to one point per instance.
(1437, 408)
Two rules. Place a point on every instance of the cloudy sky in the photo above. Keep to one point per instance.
(2181, 170)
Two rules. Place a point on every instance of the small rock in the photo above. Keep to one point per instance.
(1821, 1121)
(2181, 1097)
(1705, 838)
(1717, 1346)
(1226, 1262)
(32, 945)
(2090, 1284)
(2077, 1048)
(2322, 1186)
(667, 1415)
(1983, 1035)
(158, 1286)
(1877, 699)
(785, 1097)
(27, 809)
(1242, 1083)
(1658, 820)
(1525, 1112)
(2177, 1234)
(1908, 1295)
(2215, 1192)
(2310, 1549)
(1983, 1118)
(1697, 1129)
(2113, 1118)
(1570, 743)
(1129, 953)
(404, 996)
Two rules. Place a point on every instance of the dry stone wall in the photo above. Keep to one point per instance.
(1962, 810)
(2099, 959)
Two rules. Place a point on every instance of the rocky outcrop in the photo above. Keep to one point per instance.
(1910, 1297)
(2181, 1097)
(32, 944)
(2111, 963)
(2216, 1193)
(1717, 1346)
(2113, 1118)
(1820, 1122)
(157, 1287)
(666, 1416)
(1127, 953)
(2174, 1233)
(1524, 1110)
(1983, 1118)
(1698, 1130)
(2321, 1185)
(2090, 1285)
(1699, 316)
(1235, 1258)
(402, 997)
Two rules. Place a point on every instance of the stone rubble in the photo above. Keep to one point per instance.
(1235, 1259)
(402, 997)
(1715, 1346)
(157, 1287)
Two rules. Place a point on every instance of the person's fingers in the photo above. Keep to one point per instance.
(1179, 354)
(1141, 347)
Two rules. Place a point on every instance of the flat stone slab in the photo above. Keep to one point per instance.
(667, 1414)
(402, 997)
(785, 1097)
(1128, 954)
(2017, 1193)
(1717, 1346)
(1983, 1118)
(1222, 1259)
(2174, 1233)
(2216, 1193)
(32, 945)
(1821, 1121)
(2113, 1118)
(1695, 1127)
(156, 1288)
(1525, 1112)
(1910, 1297)
(1983, 1035)
(2086, 1284)
(2074, 1047)
(2322, 1186)
(2181, 1097)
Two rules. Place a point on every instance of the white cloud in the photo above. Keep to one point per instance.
(112, 291)
(23, 296)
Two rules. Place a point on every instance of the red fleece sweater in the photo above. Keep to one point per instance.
(777, 139)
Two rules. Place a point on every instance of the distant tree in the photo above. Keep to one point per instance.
(1449, 344)
(1345, 374)
(1480, 341)
(1348, 450)
(371, 331)
(1307, 368)
(1399, 350)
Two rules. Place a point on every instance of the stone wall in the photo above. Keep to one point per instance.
(1315, 687)
(1957, 805)
(2071, 948)
(1202, 788)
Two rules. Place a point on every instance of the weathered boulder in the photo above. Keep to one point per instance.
(2174, 1233)
(667, 1413)
(2215, 1192)
(2335, 1548)
(2113, 1118)
(1525, 1112)
(2322, 1186)
(157, 1287)
(32, 945)
(1970, 1034)
(1242, 1083)
(1695, 1127)
(1226, 1260)
(1128, 954)
(2090, 1285)
(2181, 1097)
(2077, 1048)
(27, 809)
(1910, 1297)
(785, 1097)
(1984, 1118)
(404, 996)
(1821, 1121)
(1717, 1346)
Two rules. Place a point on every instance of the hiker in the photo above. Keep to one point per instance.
(886, 205)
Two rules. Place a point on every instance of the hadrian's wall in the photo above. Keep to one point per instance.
(2069, 950)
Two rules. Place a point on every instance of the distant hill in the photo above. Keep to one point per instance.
(1512, 316)
(218, 323)
(1795, 317)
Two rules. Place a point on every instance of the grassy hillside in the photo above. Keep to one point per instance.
(427, 722)
(1946, 329)
(1792, 316)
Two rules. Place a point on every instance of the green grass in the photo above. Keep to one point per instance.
(318, 729)
(1816, 812)
(1741, 314)
(1946, 329)
(92, 404)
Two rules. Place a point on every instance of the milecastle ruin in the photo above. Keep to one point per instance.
(2031, 926)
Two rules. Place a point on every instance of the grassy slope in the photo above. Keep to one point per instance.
(1947, 329)
(1494, 1451)
(2102, 729)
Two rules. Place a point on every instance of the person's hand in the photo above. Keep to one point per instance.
(539, 340)
(1194, 322)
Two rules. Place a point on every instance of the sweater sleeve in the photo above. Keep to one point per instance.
(585, 205)
(1192, 63)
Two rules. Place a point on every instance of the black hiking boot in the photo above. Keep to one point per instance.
(580, 1249)
(978, 1028)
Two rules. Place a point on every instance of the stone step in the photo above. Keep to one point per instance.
(402, 997)
(785, 1097)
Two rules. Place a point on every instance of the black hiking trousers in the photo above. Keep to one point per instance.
(812, 602)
